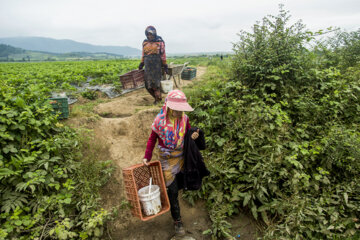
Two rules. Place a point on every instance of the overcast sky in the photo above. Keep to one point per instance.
(186, 26)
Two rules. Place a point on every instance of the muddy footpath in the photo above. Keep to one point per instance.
(123, 126)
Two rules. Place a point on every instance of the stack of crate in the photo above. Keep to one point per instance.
(132, 79)
(188, 73)
(60, 105)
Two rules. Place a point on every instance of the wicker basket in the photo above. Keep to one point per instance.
(138, 176)
(132, 79)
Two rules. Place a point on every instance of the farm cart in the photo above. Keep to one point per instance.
(175, 70)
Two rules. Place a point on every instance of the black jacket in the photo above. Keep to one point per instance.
(194, 166)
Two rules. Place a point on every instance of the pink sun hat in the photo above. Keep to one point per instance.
(176, 100)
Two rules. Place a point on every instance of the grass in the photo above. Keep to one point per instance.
(86, 109)
(96, 166)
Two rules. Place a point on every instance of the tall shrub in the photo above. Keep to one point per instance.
(283, 138)
(343, 49)
(272, 54)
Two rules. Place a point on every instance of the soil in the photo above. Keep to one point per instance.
(124, 127)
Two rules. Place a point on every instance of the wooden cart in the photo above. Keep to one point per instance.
(174, 71)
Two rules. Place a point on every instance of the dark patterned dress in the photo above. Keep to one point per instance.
(152, 71)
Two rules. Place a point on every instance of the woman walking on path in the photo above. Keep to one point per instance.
(169, 128)
(153, 58)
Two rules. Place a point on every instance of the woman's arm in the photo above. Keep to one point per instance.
(162, 52)
(187, 125)
(150, 146)
(142, 55)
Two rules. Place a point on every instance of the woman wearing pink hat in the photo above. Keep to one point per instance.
(169, 128)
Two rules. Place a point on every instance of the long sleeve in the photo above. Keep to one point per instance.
(162, 51)
(150, 145)
(142, 55)
(187, 125)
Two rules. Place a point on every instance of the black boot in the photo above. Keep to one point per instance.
(179, 228)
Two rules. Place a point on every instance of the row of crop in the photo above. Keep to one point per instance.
(59, 75)
(46, 190)
(54, 76)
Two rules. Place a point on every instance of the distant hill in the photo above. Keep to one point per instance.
(11, 54)
(66, 46)
(6, 50)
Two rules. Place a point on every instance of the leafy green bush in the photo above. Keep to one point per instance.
(283, 137)
(89, 94)
(45, 191)
(272, 54)
(343, 49)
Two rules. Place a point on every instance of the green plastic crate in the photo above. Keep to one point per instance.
(60, 105)
(188, 73)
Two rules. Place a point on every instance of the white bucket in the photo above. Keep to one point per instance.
(151, 203)
(166, 86)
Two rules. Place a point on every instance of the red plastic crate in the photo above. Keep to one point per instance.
(138, 176)
(132, 79)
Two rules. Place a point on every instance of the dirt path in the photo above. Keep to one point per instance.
(124, 127)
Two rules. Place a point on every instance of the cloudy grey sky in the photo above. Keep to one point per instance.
(186, 25)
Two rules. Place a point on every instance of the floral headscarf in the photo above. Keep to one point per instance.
(152, 30)
(171, 131)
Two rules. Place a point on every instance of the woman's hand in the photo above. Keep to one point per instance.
(146, 162)
(195, 135)
(166, 69)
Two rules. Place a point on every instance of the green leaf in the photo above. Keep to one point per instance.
(97, 232)
(32, 187)
(263, 208)
(6, 172)
(265, 217)
(246, 199)
(20, 102)
(254, 211)
(26, 222)
(219, 197)
(346, 197)
(18, 222)
(208, 231)
(220, 141)
(9, 148)
(235, 195)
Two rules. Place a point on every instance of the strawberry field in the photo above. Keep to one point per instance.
(46, 190)
(49, 76)
(51, 174)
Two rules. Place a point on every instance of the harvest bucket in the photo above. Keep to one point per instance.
(150, 202)
(166, 86)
